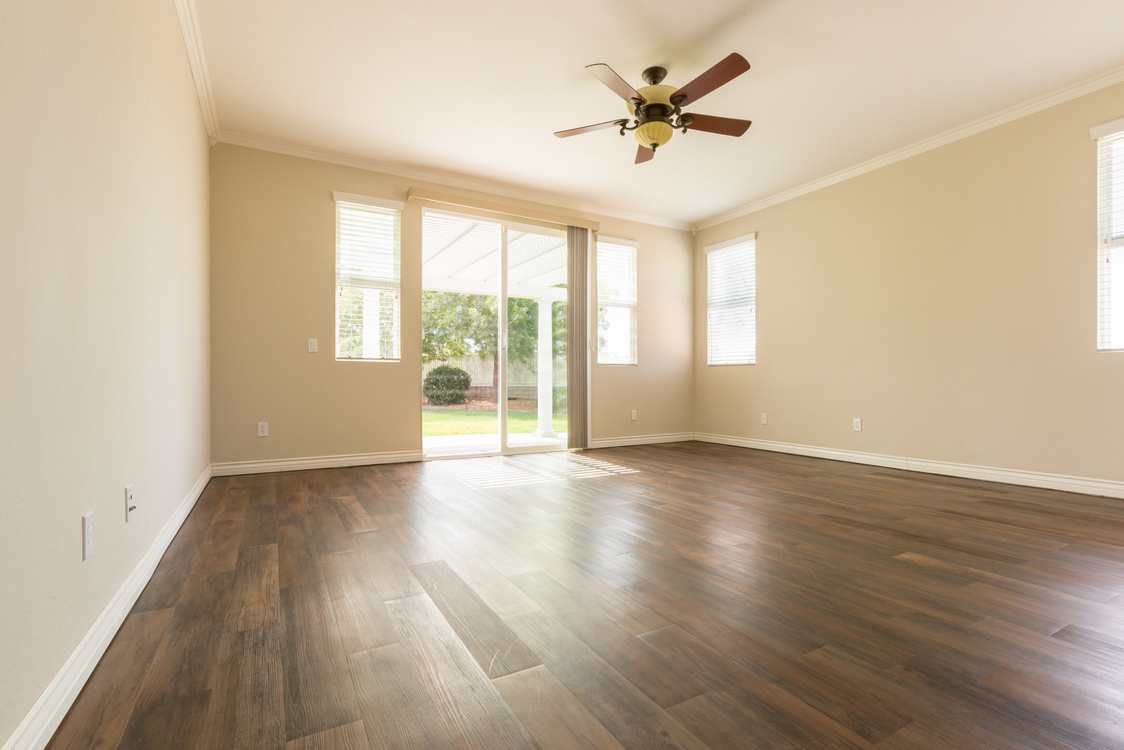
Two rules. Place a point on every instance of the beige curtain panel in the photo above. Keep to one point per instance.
(577, 339)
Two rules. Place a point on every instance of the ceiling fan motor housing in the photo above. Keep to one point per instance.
(654, 115)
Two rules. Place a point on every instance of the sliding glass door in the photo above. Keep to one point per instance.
(536, 339)
(493, 337)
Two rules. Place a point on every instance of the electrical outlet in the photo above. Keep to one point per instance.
(633, 415)
(129, 507)
(312, 345)
(87, 535)
(858, 425)
(764, 418)
(263, 429)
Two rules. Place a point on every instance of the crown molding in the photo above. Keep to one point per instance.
(447, 179)
(964, 131)
(189, 27)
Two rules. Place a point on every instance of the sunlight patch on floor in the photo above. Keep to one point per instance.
(512, 471)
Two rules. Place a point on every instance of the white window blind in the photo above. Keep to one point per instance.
(731, 302)
(368, 280)
(1110, 236)
(616, 302)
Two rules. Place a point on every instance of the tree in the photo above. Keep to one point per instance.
(460, 325)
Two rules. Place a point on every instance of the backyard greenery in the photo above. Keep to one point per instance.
(445, 384)
(482, 422)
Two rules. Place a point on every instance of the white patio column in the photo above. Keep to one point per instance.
(546, 371)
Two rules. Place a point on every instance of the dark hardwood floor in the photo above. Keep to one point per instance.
(678, 596)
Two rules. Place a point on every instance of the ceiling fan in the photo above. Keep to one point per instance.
(656, 110)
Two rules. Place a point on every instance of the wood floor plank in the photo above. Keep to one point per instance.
(1108, 645)
(246, 710)
(297, 559)
(363, 620)
(551, 713)
(474, 714)
(233, 504)
(260, 702)
(1092, 716)
(219, 550)
(919, 737)
(767, 702)
(632, 657)
(200, 517)
(166, 585)
(327, 531)
(348, 737)
(720, 722)
(496, 649)
(395, 706)
(256, 598)
(260, 525)
(319, 693)
(98, 716)
(171, 708)
(353, 515)
(500, 594)
(408, 544)
(385, 567)
(630, 716)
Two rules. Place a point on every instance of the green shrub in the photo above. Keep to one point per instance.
(559, 399)
(445, 385)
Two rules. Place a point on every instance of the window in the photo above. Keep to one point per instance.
(1110, 235)
(731, 302)
(616, 302)
(368, 278)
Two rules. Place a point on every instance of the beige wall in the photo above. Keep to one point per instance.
(103, 303)
(273, 287)
(665, 342)
(948, 300)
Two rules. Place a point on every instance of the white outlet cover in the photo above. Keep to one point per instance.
(858, 425)
(764, 418)
(313, 346)
(263, 429)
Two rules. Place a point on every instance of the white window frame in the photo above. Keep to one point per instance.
(392, 283)
(628, 302)
(1110, 235)
(716, 254)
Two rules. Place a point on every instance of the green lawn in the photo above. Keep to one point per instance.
(464, 422)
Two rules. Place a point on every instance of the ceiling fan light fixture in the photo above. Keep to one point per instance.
(654, 133)
(657, 107)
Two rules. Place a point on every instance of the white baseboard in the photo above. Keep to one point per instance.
(855, 457)
(313, 462)
(671, 437)
(40, 723)
(1082, 485)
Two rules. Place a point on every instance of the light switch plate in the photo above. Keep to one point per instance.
(312, 345)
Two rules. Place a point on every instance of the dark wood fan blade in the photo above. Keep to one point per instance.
(719, 125)
(643, 154)
(609, 77)
(722, 73)
(591, 128)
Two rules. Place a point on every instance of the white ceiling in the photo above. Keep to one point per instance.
(476, 89)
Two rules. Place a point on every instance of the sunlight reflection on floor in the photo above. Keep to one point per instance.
(510, 471)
